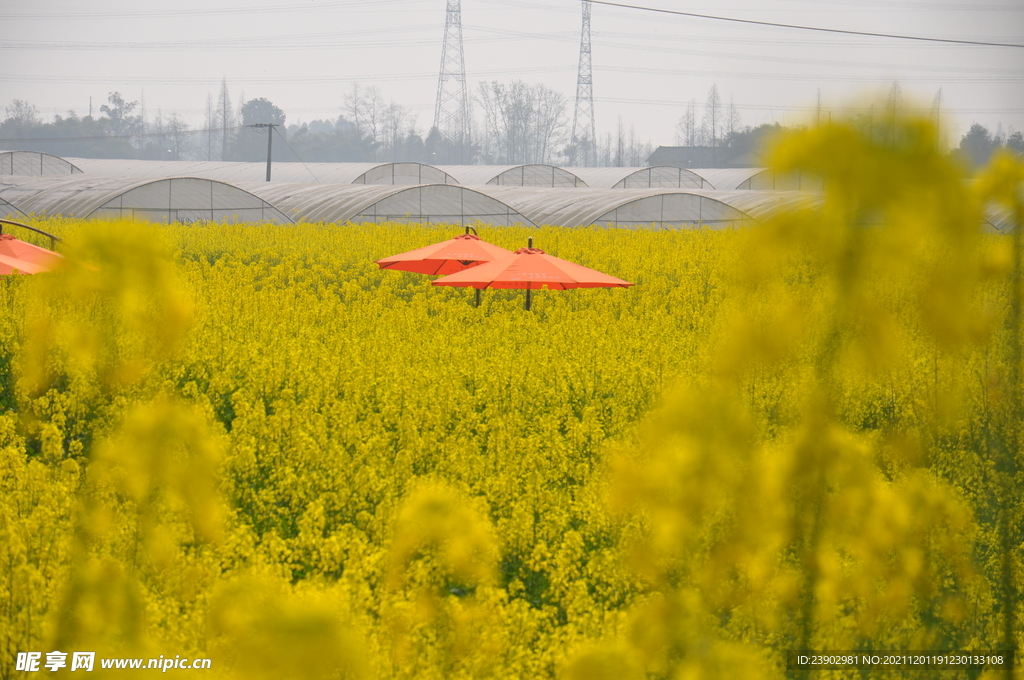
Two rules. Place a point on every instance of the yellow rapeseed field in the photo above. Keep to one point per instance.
(246, 443)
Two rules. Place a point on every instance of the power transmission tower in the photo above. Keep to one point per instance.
(584, 132)
(451, 113)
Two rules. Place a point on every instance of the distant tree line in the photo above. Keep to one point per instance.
(978, 145)
(521, 123)
(367, 130)
(715, 126)
(715, 136)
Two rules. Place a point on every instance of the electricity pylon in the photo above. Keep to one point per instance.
(584, 132)
(451, 113)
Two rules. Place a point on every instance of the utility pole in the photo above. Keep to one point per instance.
(451, 112)
(584, 132)
(270, 141)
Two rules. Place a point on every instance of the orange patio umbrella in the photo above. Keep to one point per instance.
(12, 265)
(454, 255)
(447, 257)
(21, 257)
(33, 259)
(531, 268)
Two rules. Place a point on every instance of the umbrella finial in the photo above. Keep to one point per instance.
(529, 242)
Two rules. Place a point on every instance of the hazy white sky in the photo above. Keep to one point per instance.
(303, 55)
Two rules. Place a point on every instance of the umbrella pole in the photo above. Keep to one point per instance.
(477, 297)
(529, 244)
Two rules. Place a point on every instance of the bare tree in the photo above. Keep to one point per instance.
(620, 144)
(712, 116)
(515, 111)
(354, 107)
(373, 112)
(22, 114)
(732, 120)
(211, 123)
(157, 139)
(523, 123)
(239, 119)
(639, 151)
(895, 101)
(177, 136)
(141, 139)
(225, 118)
(550, 123)
(686, 128)
(484, 97)
(937, 117)
(395, 118)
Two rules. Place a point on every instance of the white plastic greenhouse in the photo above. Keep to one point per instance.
(179, 199)
(405, 174)
(661, 176)
(441, 203)
(8, 211)
(528, 175)
(759, 179)
(34, 163)
(653, 208)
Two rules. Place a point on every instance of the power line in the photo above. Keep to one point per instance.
(285, 140)
(140, 135)
(806, 28)
(783, 107)
(816, 77)
(157, 14)
(284, 80)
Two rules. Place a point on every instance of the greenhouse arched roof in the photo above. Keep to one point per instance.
(233, 171)
(526, 175)
(34, 163)
(7, 210)
(658, 176)
(441, 203)
(1000, 218)
(658, 208)
(760, 179)
(178, 199)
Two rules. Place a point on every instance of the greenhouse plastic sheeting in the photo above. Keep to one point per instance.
(760, 179)
(442, 203)
(8, 211)
(406, 174)
(34, 164)
(528, 175)
(660, 176)
(648, 208)
(999, 218)
(180, 199)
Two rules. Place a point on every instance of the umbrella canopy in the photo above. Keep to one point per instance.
(532, 268)
(12, 265)
(447, 257)
(24, 258)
